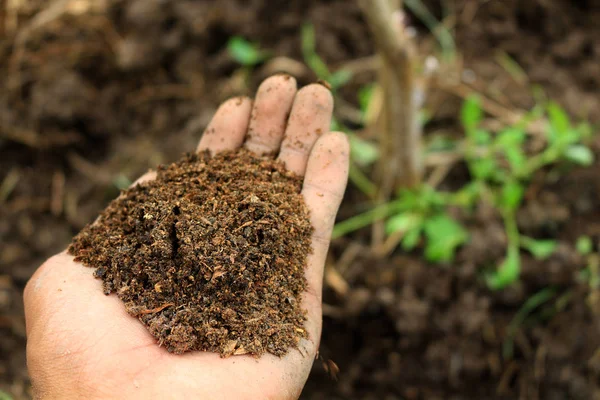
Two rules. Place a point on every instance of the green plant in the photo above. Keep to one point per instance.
(502, 170)
(419, 215)
(591, 273)
(335, 79)
(422, 214)
(584, 245)
(362, 155)
(246, 53)
(501, 166)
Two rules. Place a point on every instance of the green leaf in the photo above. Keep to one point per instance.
(565, 140)
(339, 78)
(584, 245)
(511, 196)
(511, 66)
(337, 126)
(468, 196)
(121, 182)
(483, 169)
(516, 158)
(511, 137)
(311, 58)
(244, 52)
(471, 113)
(540, 249)
(365, 94)
(318, 66)
(363, 153)
(411, 239)
(559, 120)
(429, 198)
(482, 137)
(403, 222)
(508, 272)
(585, 130)
(308, 39)
(580, 154)
(409, 199)
(444, 235)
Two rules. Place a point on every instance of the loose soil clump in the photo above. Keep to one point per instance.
(209, 256)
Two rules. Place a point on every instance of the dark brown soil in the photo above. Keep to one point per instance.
(78, 113)
(209, 256)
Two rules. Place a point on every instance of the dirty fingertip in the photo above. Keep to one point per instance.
(228, 127)
(329, 148)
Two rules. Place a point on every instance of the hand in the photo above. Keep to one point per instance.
(83, 344)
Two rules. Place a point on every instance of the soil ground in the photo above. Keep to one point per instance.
(93, 94)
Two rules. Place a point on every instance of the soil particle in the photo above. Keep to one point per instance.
(209, 256)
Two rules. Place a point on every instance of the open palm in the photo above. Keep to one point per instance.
(83, 344)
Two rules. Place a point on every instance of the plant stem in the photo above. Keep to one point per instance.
(512, 230)
(530, 305)
(362, 182)
(400, 164)
(365, 219)
(539, 161)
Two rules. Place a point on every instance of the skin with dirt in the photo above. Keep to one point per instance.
(93, 96)
(209, 256)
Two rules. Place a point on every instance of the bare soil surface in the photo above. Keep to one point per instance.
(93, 94)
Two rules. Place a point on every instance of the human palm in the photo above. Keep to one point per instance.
(83, 344)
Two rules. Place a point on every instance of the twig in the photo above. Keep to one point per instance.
(11, 20)
(23, 136)
(389, 245)
(284, 64)
(502, 113)
(348, 256)
(400, 162)
(509, 372)
(9, 183)
(438, 175)
(365, 64)
(507, 116)
(336, 281)
(58, 193)
(347, 111)
(333, 311)
(155, 310)
(88, 169)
